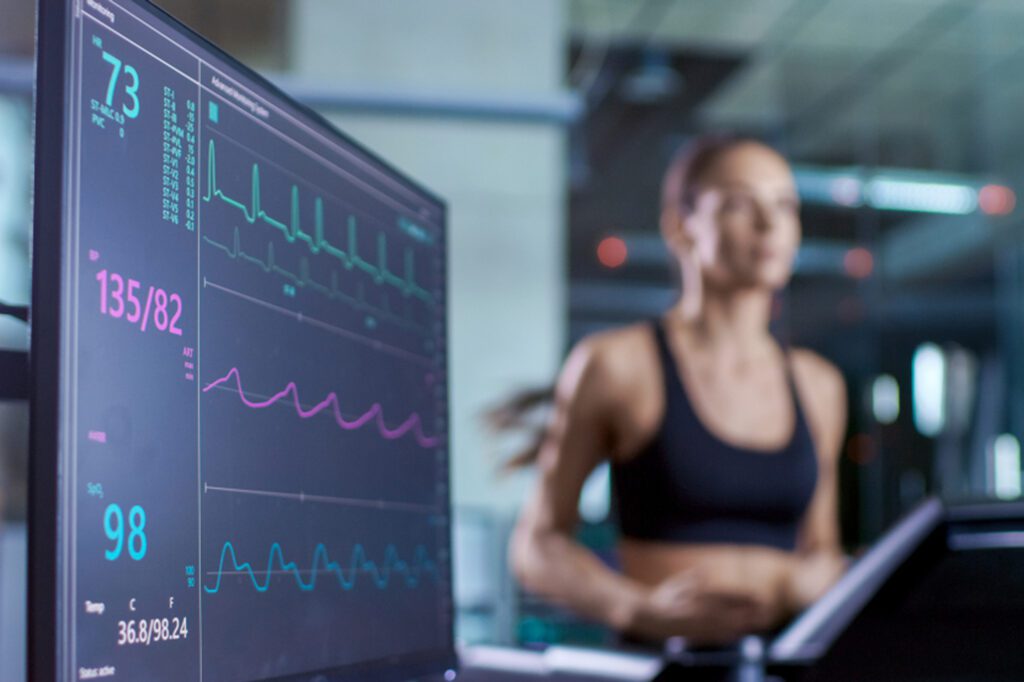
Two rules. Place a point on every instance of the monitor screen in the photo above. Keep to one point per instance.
(249, 399)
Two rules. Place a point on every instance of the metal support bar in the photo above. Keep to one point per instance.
(561, 108)
(18, 312)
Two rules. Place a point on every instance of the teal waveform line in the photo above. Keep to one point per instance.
(380, 575)
(316, 242)
(304, 280)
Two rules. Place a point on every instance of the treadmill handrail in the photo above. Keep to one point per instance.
(810, 635)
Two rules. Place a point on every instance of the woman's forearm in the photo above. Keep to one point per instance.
(557, 567)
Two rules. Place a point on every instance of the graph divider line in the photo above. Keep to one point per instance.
(328, 499)
(326, 326)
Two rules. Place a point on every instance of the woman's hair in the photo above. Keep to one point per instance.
(681, 182)
(524, 411)
(679, 188)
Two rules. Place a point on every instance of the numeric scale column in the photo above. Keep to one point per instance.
(133, 495)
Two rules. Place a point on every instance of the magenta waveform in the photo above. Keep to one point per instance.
(412, 424)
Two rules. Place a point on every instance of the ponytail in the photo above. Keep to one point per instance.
(523, 411)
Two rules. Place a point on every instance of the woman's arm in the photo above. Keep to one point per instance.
(544, 555)
(820, 560)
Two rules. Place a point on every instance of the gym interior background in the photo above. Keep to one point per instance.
(546, 125)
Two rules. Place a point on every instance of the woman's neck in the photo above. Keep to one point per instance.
(735, 323)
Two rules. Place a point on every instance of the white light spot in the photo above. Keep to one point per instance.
(885, 399)
(1006, 467)
(929, 389)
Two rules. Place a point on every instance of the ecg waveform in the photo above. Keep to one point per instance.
(412, 424)
(305, 280)
(380, 575)
(316, 242)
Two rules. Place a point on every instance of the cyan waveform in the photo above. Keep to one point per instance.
(412, 424)
(316, 242)
(380, 575)
(305, 280)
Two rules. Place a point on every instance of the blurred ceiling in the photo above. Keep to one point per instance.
(823, 69)
(909, 84)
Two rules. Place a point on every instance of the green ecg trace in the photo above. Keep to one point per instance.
(316, 242)
(304, 280)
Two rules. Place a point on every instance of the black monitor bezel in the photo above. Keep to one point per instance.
(45, 343)
(48, 245)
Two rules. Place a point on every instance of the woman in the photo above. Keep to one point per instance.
(723, 444)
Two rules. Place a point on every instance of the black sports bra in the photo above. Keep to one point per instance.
(689, 486)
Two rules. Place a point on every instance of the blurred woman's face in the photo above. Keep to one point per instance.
(744, 229)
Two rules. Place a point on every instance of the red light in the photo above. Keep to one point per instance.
(859, 263)
(861, 449)
(612, 252)
(996, 200)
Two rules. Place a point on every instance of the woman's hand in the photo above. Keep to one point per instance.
(811, 578)
(692, 605)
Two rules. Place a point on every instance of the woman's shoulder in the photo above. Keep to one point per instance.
(618, 350)
(817, 374)
(614, 359)
(609, 376)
